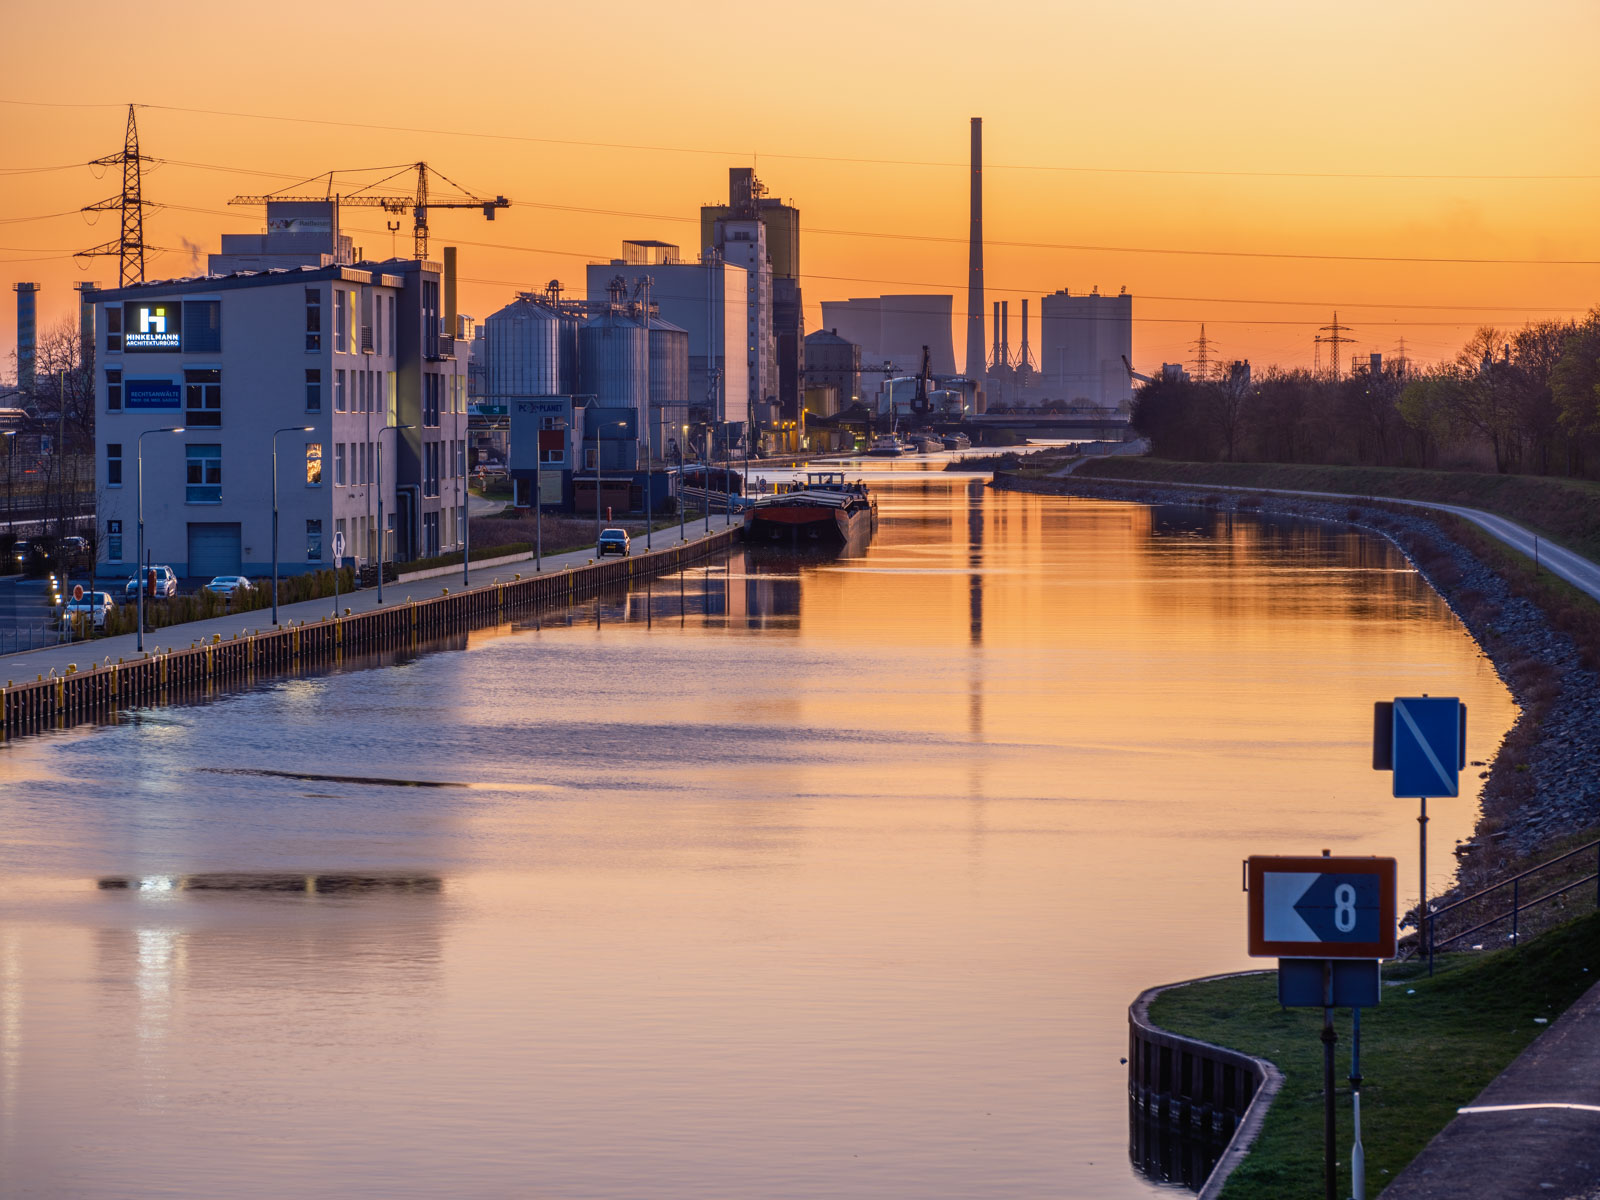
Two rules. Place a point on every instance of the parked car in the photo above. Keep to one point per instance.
(230, 585)
(75, 547)
(32, 556)
(95, 605)
(614, 541)
(166, 583)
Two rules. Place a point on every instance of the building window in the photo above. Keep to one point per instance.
(313, 389)
(113, 389)
(314, 540)
(313, 320)
(392, 397)
(391, 325)
(202, 397)
(430, 401)
(338, 390)
(350, 322)
(313, 464)
(338, 464)
(338, 319)
(202, 326)
(205, 475)
(113, 464)
(114, 541)
(461, 457)
(113, 327)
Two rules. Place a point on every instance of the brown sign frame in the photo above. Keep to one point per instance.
(1386, 869)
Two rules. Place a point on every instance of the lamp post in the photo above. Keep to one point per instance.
(11, 449)
(466, 515)
(138, 467)
(383, 534)
(275, 433)
(597, 475)
(650, 425)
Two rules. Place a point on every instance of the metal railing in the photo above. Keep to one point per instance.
(1518, 904)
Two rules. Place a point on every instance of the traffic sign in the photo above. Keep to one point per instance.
(1302, 983)
(1428, 746)
(1321, 907)
(77, 591)
(338, 546)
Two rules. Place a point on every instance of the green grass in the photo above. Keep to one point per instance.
(1423, 1054)
(1567, 511)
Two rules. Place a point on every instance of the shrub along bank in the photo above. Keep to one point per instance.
(1430, 1046)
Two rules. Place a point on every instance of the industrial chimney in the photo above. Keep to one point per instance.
(994, 354)
(975, 259)
(1005, 333)
(27, 334)
(1024, 358)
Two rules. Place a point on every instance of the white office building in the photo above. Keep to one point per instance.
(344, 369)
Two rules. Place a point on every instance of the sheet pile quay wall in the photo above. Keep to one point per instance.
(94, 693)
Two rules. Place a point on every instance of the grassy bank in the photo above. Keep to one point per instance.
(1567, 511)
(1429, 1047)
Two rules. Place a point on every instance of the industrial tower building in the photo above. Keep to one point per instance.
(1086, 342)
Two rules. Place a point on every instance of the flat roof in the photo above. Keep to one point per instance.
(272, 277)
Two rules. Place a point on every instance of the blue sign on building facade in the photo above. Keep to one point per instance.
(151, 393)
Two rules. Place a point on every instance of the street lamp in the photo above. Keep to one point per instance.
(275, 433)
(138, 467)
(650, 425)
(383, 534)
(11, 448)
(597, 477)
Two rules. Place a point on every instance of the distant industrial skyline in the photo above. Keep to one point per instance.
(1319, 170)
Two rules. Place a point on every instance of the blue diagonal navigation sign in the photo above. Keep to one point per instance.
(1427, 745)
(1341, 908)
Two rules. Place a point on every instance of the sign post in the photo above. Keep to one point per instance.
(1328, 921)
(1423, 741)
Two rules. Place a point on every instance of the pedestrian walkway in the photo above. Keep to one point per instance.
(1580, 572)
(1533, 1132)
(30, 664)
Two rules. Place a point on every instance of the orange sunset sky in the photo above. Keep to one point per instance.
(1358, 132)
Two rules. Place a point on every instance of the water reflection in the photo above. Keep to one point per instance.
(782, 875)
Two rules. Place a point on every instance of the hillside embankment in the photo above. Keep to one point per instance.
(1541, 788)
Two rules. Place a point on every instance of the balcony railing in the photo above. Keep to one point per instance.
(366, 339)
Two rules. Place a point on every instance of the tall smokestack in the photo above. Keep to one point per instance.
(994, 355)
(1005, 333)
(975, 260)
(1024, 358)
(27, 334)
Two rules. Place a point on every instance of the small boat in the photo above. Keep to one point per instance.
(887, 446)
(927, 444)
(957, 441)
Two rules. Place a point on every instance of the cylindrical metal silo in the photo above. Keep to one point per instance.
(570, 355)
(669, 383)
(613, 352)
(524, 351)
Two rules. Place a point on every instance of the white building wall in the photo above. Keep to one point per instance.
(263, 363)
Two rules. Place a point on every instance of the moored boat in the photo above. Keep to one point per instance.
(826, 509)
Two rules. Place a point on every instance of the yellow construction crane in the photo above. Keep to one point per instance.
(417, 204)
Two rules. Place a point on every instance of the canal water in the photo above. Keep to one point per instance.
(786, 877)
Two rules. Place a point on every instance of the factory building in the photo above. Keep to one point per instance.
(834, 361)
(241, 363)
(763, 235)
(708, 302)
(1085, 344)
(894, 329)
(299, 234)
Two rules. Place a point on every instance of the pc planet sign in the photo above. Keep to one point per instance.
(152, 325)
